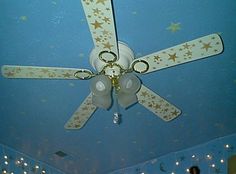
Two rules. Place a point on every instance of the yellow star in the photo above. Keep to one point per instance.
(106, 19)
(157, 106)
(189, 53)
(9, 74)
(206, 46)
(157, 58)
(175, 113)
(101, 1)
(144, 94)
(97, 24)
(23, 18)
(98, 39)
(174, 27)
(107, 45)
(96, 11)
(186, 46)
(172, 57)
(67, 75)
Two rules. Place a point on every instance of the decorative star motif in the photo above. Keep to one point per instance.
(106, 19)
(186, 46)
(101, 1)
(67, 75)
(157, 58)
(107, 45)
(144, 94)
(174, 27)
(98, 39)
(172, 57)
(96, 11)
(97, 24)
(189, 53)
(206, 46)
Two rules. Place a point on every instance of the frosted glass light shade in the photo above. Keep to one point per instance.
(102, 101)
(129, 86)
(100, 87)
(129, 83)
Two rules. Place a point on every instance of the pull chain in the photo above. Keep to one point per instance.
(117, 115)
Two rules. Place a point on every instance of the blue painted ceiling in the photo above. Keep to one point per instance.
(55, 33)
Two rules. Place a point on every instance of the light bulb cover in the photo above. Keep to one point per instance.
(129, 83)
(100, 85)
(104, 101)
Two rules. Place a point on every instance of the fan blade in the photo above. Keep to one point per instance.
(14, 71)
(82, 114)
(157, 104)
(101, 23)
(196, 49)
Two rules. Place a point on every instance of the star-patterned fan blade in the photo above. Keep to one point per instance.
(157, 104)
(196, 49)
(36, 72)
(82, 114)
(99, 15)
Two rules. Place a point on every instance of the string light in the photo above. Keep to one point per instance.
(25, 164)
(227, 146)
(209, 157)
(36, 166)
(5, 157)
(222, 161)
(213, 165)
(6, 162)
(187, 170)
(193, 156)
(176, 163)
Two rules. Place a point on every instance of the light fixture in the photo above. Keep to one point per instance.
(101, 91)
(129, 84)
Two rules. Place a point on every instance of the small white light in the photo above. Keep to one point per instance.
(25, 172)
(12, 173)
(187, 170)
(193, 156)
(36, 166)
(6, 162)
(22, 159)
(227, 146)
(222, 161)
(176, 163)
(43, 171)
(172, 172)
(5, 157)
(4, 171)
(213, 165)
(25, 164)
(209, 156)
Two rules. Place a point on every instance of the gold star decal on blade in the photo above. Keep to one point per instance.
(172, 56)
(186, 46)
(67, 75)
(101, 1)
(97, 24)
(107, 45)
(106, 19)
(174, 27)
(157, 58)
(206, 46)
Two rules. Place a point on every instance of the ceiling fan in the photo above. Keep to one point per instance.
(114, 64)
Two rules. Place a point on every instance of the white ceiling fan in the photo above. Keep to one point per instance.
(114, 63)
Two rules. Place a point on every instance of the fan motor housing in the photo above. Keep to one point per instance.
(126, 56)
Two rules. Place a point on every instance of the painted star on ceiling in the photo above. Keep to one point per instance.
(174, 27)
